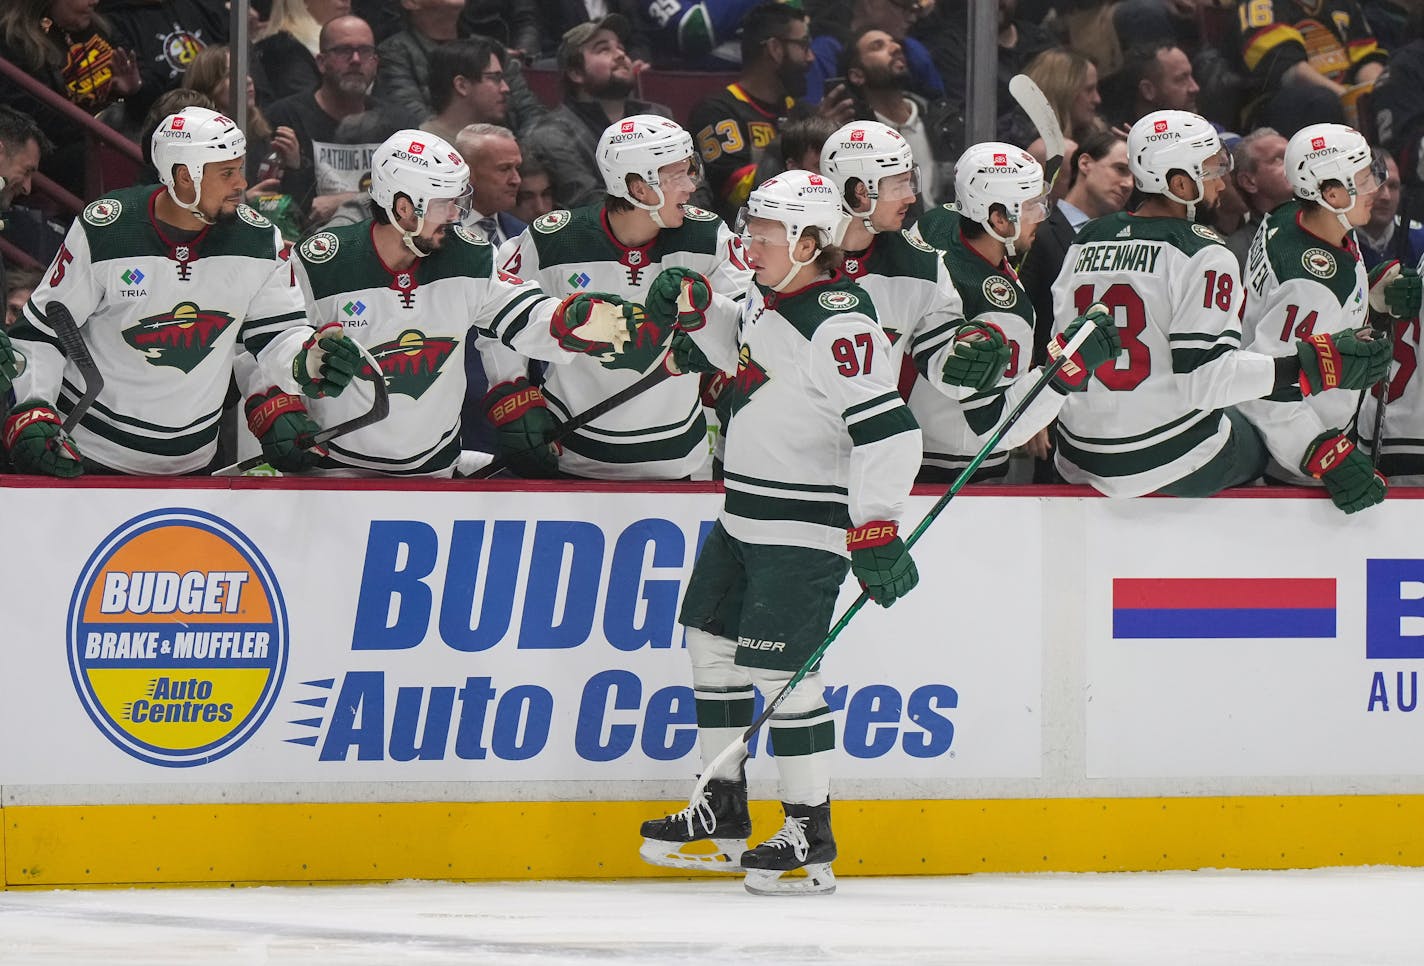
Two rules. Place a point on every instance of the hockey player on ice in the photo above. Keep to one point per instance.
(821, 453)
(172, 287)
(643, 243)
(411, 285)
(1306, 276)
(1175, 292)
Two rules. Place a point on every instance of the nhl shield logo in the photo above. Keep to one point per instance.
(852, 267)
(1318, 262)
(403, 280)
(635, 257)
(182, 253)
(998, 291)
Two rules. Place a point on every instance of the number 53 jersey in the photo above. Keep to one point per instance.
(1156, 412)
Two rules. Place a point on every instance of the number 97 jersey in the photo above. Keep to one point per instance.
(1173, 289)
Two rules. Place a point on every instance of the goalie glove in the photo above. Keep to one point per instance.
(1346, 472)
(1104, 344)
(980, 356)
(881, 562)
(326, 362)
(523, 427)
(280, 422)
(37, 445)
(680, 297)
(1395, 290)
(1345, 360)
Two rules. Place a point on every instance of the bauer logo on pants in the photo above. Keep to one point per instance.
(177, 638)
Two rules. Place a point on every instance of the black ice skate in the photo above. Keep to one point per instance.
(720, 818)
(804, 842)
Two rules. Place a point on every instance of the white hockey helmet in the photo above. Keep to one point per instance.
(799, 200)
(1166, 141)
(640, 145)
(427, 170)
(1331, 152)
(192, 138)
(996, 173)
(867, 151)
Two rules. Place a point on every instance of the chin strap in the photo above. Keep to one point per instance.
(408, 237)
(1191, 204)
(1008, 243)
(795, 268)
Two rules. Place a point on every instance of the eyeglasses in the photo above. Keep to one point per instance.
(347, 51)
(493, 76)
(803, 42)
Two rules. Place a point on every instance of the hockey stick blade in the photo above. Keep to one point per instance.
(66, 330)
(737, 748)
(653, 377)
(380, 409)
(1033, 103)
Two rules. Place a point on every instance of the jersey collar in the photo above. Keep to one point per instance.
(185, 253)
(774, 298)
(857, 264)
(403, 280)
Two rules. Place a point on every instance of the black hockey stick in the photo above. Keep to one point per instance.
(1382, 388)
(658, 374)
(380, 408)
(66, 330)
(738, 747)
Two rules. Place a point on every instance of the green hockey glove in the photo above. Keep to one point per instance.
(880, 561)
(980, 356)
(36, 445)
(681, 297)
(686, 356)
(1344, 360)
(1346, 472)
(1395, 290)
(523, 427)
(614, 331)
(280, 422)
(1104, 344)
(326, 363)
(11, 363)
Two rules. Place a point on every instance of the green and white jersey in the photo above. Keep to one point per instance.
(1175, 291)
(165, 319)
(1299, 285)
(662, 433)
(1402, 450)
(957, 421)
(415, 322)
(819, 438)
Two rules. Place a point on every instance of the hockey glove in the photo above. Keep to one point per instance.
(36, 445)
(880, 562)
(326, 363)
(681, 297)
(1346, 472)
(980, 356)
(1104, 344)
(523, 427)
(686, 357)
(1342, 361)
(1395, 290)
(607, 328)
(11, 363)
(280, 422)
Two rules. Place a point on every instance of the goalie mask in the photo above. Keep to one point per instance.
(1167, 141)
(641, 145)
(994, 173)
(799, 200)
(869, 152)
(428, 171)
(190, 139)
(1322, 153)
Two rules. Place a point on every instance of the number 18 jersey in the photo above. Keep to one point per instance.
(1155, 413)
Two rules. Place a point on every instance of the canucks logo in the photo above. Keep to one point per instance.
(177, 637)
(181, 338)
(411, 362)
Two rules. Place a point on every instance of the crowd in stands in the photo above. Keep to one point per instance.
(523, 88)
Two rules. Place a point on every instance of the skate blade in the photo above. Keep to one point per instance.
(727, 858)
(819, 881)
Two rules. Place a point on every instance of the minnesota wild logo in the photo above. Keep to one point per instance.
(411, 362)
(181, 338)
(750, 377)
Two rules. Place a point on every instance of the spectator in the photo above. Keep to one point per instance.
(287, 50)
(467, 86)
(165, 36)
(22, 147)
(535, 197)
(800, 143)
(514, 24)
(737, 127)
(493, 156)
(1384, 236)
(1100, 184)
(1153, 77)
(67, 47)
(876, 70)
(895, 17)
(19, 283)
(1260, 175)
(1070, 82)
(597, 79)
(1301, 62)
(561, 16)
(208, 74)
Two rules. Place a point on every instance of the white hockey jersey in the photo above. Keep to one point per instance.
(1300, 285)
(415, 322)
(1402, 451)
(662, 433)
(819, 439)
(165, 320)
(1175, 292)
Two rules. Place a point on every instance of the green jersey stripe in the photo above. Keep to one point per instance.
(1135, 461)
(777, 485)
(891, 423)
(73, 393)
(881, 400)
(446, 452)
(754, 506)
(1118, 441)
(644, 451)
(1190, 360)
(150, 445)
